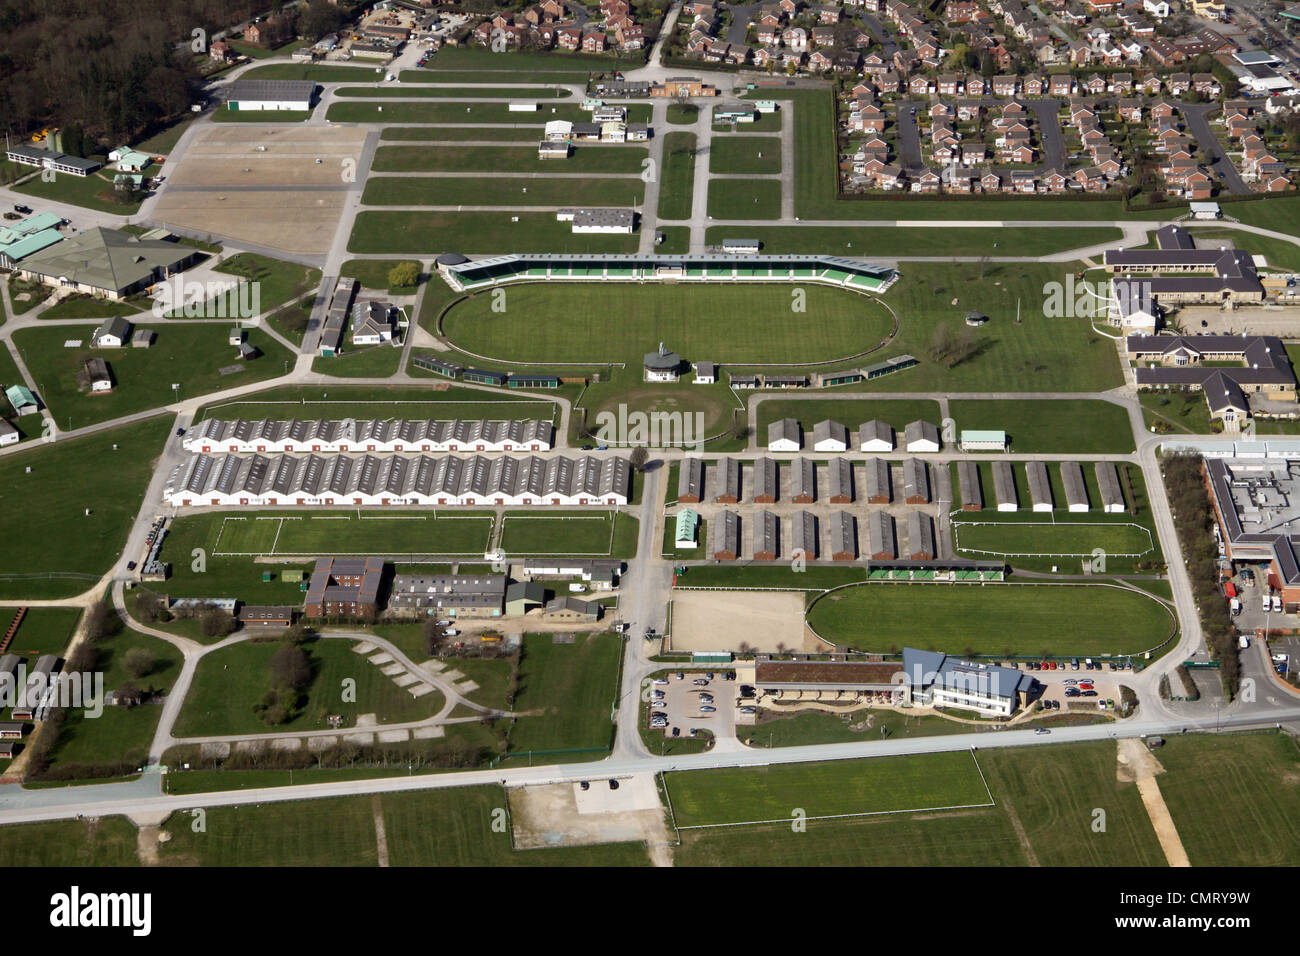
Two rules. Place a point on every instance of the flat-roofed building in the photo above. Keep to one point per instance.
(882, 539)
(690, 481)
(1040, 486)
(727, 476)
(766, 483)
(767, 535)
(1076, 492)
(916, 482)
(1004, 486)
(803, 535)
(838, 681)
(803, 481)
(920, 537)
(453, 595)
(983, 440)
(1112, 496)
(875, 436)
(725, 527)
(844, 536)
(879, 485)
(968, 476)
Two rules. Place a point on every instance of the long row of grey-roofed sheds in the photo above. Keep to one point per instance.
(805, 481)
(1039, 484)
(772, 537)
(786, 435)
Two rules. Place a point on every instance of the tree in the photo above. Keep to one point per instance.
(320, 17)
(139, 662)
(638, 457)
(290, 668)
(404, 275)
(215, 622)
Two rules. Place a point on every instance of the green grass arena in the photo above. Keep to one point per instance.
(353, 532)
(740, 324)
(996, 619)
(1051, 539)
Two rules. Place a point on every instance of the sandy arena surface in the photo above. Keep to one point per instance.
(722, 620)
(565, 815)
(230, 156)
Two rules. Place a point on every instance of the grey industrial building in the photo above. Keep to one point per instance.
(916, 482)
(882, 539)
(1112, 497)
(1004, 486)
(968, 476)
(1040, 486)
(302, 435)
(879, 488)
(803, 534)
(690, 481)
(844, 536)
(766, 482)
(920, 536)
(728, 485)
(839, 481)
(725, 528)
(767, 534)
(803, 481)
(1076, 492)
(875, 435)
(455, 595)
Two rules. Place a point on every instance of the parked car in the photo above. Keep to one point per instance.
(681, 676)
(700, 682)
(613, 784)
(661, 680)
(706, 698)
(749, 710)
(586, 785)
(1042, 730)
(677, 731)
(706, 709)
(1088, 693)
(130, 565)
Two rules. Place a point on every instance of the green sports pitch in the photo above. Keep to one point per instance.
(619, 322)
(563, 533)
(835, 788)
(1050, 539)
(351, 532)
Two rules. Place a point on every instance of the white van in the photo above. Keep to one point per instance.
(1277, 604)
(1267, 603)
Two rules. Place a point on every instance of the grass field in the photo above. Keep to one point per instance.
(745, 155)
(365, 361)
(404, 111)
(278, 280)
(745, 198)
(106, 841)
(434, 828)
(230, 681)
(1078, 427)
(467, 76)
(90, 307)
(521, 191)
(571, 687)
(816, 727)
(915, 240)
(850, 412)
(56, 534)
(1186, 412)
(745, 324)
(839, 787)
(678, 176)
(260, 116)
(454, 92)
(190, 354)
(321, 74)
(452, 134)
(995, 619)
(373, 273)
(603, 533)
(1057, 539)
(505, 159)
(45, 630)
(399, 232)
(350, 532)
(1234, 798)
(683, 114)
(92, 192)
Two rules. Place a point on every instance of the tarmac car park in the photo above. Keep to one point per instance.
(685, 702)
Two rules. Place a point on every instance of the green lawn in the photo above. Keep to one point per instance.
(424, 134)
(995, 619)
(368, 361)
(92, 192)
(401, 111)
(1279, 213)
(380, 401)
(1187, 412)
(816, 727)
(278, 281)
(745, 155)
(683, 114)
(230, 681)
(118, 733)
(455, 92)
(506, 159)
(90, 307)
(847, 411)
(677, 240)
(191, 355)
(103, 841)
(373, 273)
(469, 76)
(401, 232)
(570, 532)
(571, 688)
(765, 123)
(56, 534)
(768, 794)
(917, 240)
(45, 630)
(1249, 777)
(522, 191)
(745, 199)
(678, 175)
(1050, 426)
(321, 74)
(1054, 793)
(1058, 538)
(165, 140)
(260, 116)
(746, 323)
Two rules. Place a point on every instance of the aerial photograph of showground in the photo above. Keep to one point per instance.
(651, 433)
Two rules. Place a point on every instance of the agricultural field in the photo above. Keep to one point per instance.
(745, 323)
(193, 355)
(833, 788)
(229, 682)
(995, 619)
(58, 537)
(1052, 426)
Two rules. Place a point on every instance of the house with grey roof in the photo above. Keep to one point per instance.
(830, 436)
(875, 436)
(921, 436)
(114, 333)
(107, 262)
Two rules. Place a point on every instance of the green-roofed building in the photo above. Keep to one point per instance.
(22, 399)
(983, 439)
(31, 235)
(688, 529)
(107, 263)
